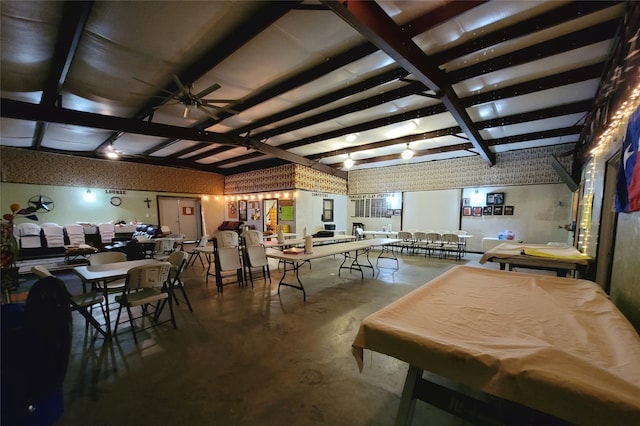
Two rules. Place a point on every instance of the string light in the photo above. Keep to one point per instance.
(610, 134)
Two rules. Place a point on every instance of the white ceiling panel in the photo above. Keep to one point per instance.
(33, 25)
(175, 147)
(134, 144)
(73, 138)
(532, 126)
(17, 133)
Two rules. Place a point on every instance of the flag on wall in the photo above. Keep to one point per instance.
(628, 185)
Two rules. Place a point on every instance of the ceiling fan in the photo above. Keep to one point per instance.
(193, 101)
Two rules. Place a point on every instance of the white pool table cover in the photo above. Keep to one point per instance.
(554, 344)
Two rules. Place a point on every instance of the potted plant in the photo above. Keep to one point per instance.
(9, 247)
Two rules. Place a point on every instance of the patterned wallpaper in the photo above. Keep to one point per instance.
(26, 166)
(290, 176)
(523, 167)
(315, 180)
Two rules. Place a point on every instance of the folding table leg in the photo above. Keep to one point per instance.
(407, 401)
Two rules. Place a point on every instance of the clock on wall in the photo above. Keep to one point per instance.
(116, 201)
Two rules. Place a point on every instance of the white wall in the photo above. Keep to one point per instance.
(309, 211)
(70, 205)
(539, 212)
(431, 210)
(394, 201)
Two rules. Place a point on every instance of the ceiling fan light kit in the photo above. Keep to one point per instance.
(407, 153)
(348, 163)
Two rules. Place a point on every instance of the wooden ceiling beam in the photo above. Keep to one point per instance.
(27, 111)
(370, 20)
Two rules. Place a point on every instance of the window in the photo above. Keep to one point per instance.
(327, 210)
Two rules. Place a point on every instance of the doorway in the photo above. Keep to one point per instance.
(270, 221)
(182, 215)
(608, 216)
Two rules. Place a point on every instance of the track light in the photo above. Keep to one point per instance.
(407, 153)
(348, 163)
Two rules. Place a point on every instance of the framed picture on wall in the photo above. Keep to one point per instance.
(242, 210)
(487, 210)
(233, 210)
(466, 201)
(508, 210)
(495, 198)
(477, 211)
(497, 210)
(466, 211)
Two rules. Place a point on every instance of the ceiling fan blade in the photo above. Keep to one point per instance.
(208, 90)
(209, 113)
(167, 104)
(217, 108)
(181, 86)
(152, 85)
(217, 101)
(163, 97)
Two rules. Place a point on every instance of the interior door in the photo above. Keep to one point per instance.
(606, 237)
(188, 214)
(270, 209)
(182, 215)
(168, 213)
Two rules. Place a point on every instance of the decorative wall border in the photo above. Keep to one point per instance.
(522, 167)
(286, 177)
(36, 167)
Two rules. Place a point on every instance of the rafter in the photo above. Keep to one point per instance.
(369, 19)
(26, 111)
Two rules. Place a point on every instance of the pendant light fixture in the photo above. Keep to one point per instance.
(407, 153)
(348, 163)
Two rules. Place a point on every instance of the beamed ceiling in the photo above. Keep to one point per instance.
(233, 86)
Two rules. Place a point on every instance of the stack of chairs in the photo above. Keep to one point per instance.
(255, 255)
(227, 258)
(107, 233)
(75, 233)
(53, 234)
(28, 235)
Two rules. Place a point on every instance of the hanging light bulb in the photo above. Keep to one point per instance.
(407, 153)
(112, 153)
(89, 196)
(348, 163)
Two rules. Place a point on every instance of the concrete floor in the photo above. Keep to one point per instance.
(251, 356)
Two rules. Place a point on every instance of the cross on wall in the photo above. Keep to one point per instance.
(148, 201)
